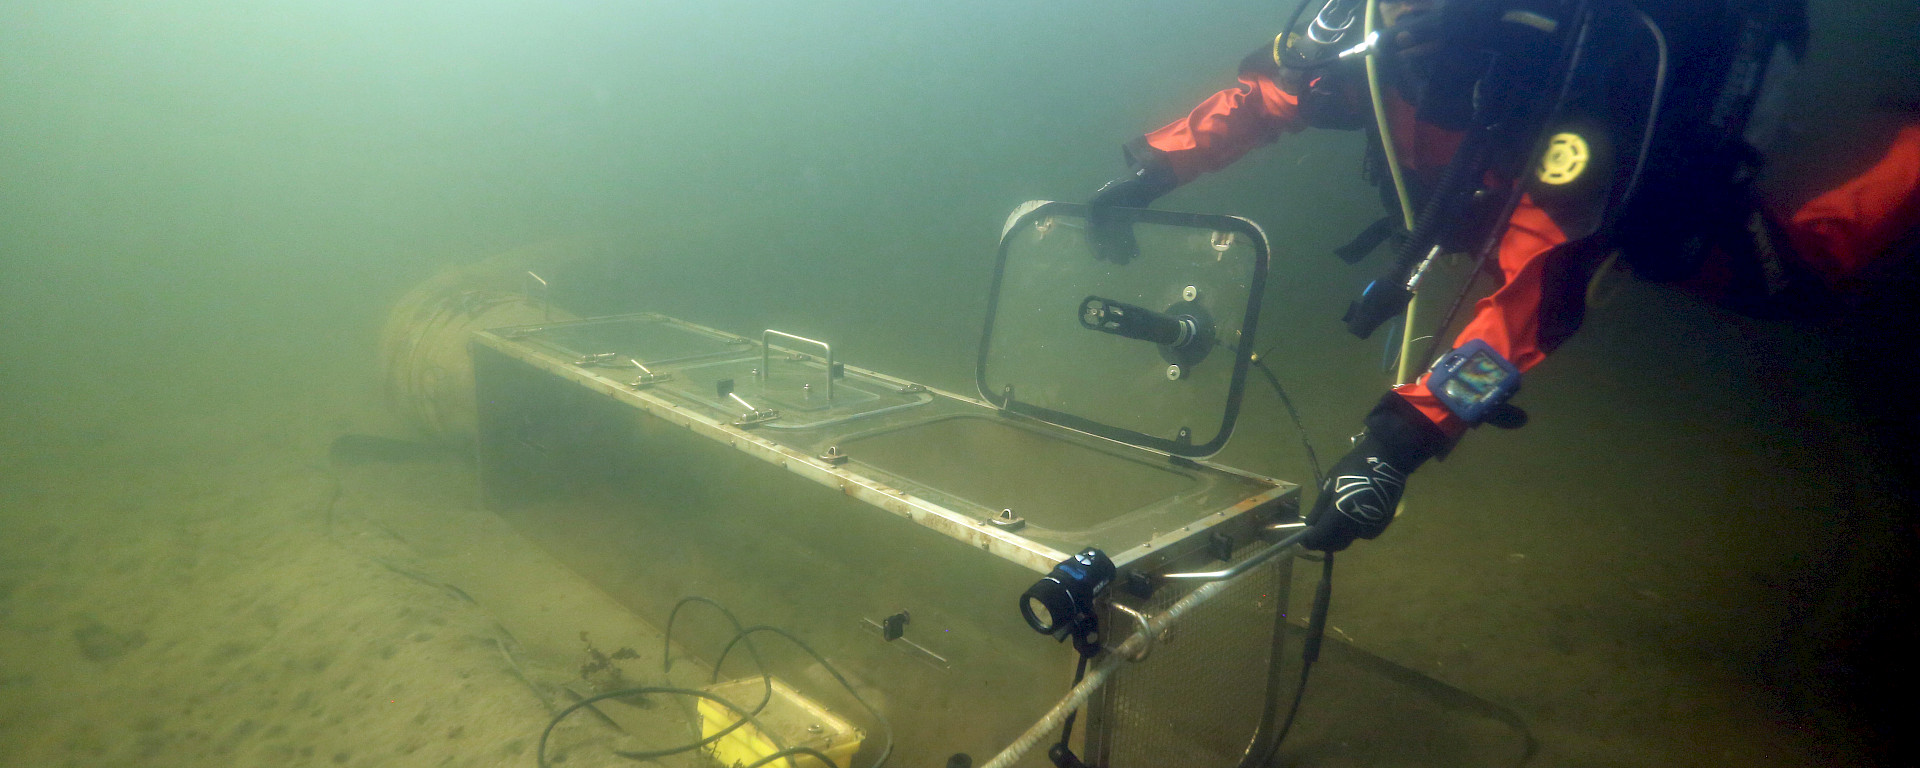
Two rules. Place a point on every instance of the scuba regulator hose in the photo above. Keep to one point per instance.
(1374, 94)
(1392, 294)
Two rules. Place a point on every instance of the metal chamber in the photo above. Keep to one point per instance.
(654, 494)
(663, 459)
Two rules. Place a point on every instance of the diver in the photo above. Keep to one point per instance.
(1542, 137)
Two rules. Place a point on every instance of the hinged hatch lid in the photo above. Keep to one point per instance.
(1149, 345)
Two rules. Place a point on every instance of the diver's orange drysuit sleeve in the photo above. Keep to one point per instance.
(1237, 120)
(1842, 231)
(1509, 319)
(1226, 126)
(1838, 234)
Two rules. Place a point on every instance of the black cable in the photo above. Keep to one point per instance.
(666, 666)
(1310, 649)
(1313, 460)
(1066, 729)
(885, 728)
(666, 641)
(540, 754)
(746, 717)
(1323, 593)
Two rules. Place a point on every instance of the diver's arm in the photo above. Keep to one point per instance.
(1216, 133)
(1538, 307)
(1809, 263)
(1844, 230)
(1225, 126)
(1541, 304)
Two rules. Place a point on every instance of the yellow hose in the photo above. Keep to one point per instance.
(1380, 114)
(1401, 373)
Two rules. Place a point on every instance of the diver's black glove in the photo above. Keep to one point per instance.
(1112, 236)
(1360, 493)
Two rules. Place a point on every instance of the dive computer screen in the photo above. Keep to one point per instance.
(1472, 379)
(1477, 380)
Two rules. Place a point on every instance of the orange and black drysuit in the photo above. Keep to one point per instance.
(1536, 308)
(1541, 299)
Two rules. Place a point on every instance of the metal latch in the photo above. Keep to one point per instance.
(1220, 545)
(753, 416)
(647, 378)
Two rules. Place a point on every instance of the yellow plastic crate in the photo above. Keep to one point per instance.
(797, 721)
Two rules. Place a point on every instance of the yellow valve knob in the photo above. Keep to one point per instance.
(1565, 159)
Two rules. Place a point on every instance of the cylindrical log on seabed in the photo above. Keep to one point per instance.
(424, 360)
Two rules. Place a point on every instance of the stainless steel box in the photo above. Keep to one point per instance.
(893, 524)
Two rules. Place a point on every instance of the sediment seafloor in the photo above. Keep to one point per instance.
(209, 588)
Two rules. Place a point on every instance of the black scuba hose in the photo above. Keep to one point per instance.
(1456, 187)
(1388, 296)
(1486, 249)
(1575, 52)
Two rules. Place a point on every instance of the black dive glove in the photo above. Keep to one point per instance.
(1360, 493)
(1112, 236)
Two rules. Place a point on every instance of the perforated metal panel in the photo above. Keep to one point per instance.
(1206, 692)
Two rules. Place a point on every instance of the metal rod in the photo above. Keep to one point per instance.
(766, 356)
(546, 295)
(1244, 565)
(636, 364)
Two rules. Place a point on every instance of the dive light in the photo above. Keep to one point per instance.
(1062, 603)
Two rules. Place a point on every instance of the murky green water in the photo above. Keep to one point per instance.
(207, 208)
